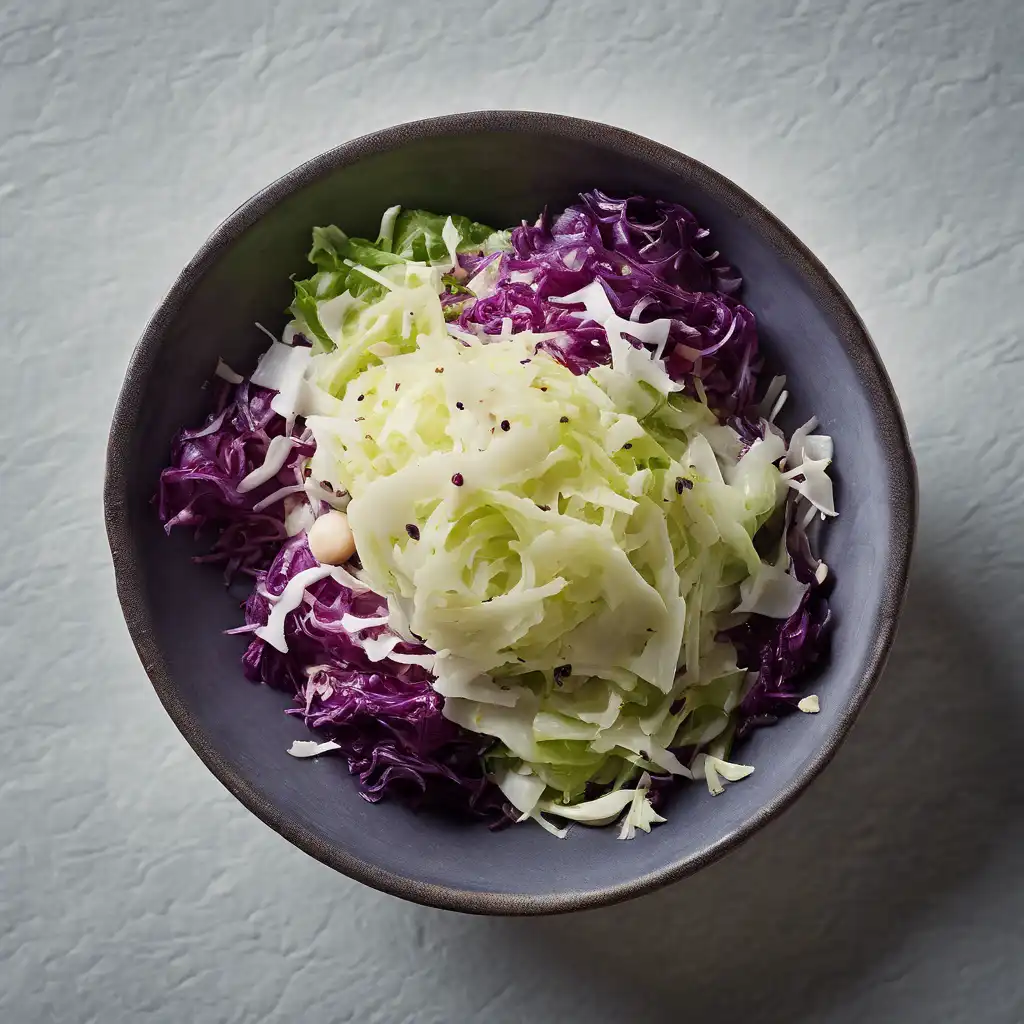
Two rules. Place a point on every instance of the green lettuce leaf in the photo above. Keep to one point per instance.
(418, 236)
(405, 236)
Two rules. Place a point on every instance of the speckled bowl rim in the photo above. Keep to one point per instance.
(853, 336)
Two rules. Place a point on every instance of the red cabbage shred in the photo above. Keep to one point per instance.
(385, 715)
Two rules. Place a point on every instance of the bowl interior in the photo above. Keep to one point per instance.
(498, 171)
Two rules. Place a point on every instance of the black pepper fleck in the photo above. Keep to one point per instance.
(397, 386)
(627, 446)
(413, 530)
(562, 672)
(524, 361)
(682, 484)
(563, 419)
(544, 508)
(459, 405)
(505, 425)
(457, 479)
(360, 398)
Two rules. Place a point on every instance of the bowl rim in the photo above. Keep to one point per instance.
(820, 284)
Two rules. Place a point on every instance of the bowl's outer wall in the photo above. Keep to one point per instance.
(177, 610)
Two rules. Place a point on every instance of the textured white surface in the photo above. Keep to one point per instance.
(888, 135)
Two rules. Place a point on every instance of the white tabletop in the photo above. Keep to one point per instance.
(888, 136)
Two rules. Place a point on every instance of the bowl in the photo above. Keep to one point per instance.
(497, 167)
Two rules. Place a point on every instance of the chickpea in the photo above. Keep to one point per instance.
(330, 539)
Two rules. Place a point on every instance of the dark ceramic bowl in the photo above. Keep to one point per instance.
(497, 167)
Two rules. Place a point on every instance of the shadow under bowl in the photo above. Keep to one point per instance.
(498, 167)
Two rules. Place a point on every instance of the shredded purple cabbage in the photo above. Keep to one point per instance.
(782, 652)
(385, 715)
(654, 261)
(200, 486)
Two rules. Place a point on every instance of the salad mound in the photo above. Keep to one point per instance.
(561, 556)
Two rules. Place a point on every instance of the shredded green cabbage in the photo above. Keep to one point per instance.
(570, 546)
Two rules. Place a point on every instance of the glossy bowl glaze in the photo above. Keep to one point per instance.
(498, 167)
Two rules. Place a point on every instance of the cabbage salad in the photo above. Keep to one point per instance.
(523, 535)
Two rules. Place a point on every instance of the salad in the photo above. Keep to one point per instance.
(522, 535)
